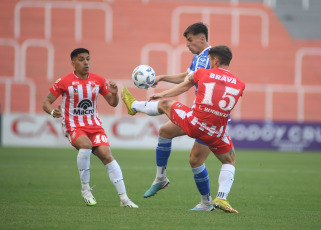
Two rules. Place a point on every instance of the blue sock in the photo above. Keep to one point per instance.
(201, 179)
(163, 151)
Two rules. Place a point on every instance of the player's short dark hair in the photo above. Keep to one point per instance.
(77, 51)
(222, 52)
(197, 28)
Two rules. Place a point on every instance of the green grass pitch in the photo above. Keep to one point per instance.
(40, 189)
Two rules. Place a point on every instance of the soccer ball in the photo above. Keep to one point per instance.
(143, 76)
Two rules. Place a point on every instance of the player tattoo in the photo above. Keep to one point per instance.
(232, 152)
(50, 96)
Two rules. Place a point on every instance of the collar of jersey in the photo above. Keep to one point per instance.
(204, 50)
(223, 69)
(79, 77)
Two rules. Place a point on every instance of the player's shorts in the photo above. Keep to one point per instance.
(182, 116)
(199, 141)
(97, 136)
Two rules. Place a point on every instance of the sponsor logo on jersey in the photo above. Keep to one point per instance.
(203, 59)
(202, 63)
(208, 110)
(84, 107)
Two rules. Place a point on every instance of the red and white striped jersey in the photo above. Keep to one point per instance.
(217, 94)
(79, 100)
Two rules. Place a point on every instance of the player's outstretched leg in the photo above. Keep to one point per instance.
(128, 99)
(156, 187)
(133, 106)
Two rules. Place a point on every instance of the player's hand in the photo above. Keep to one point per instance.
(112, 87)
(155, 96)
(157, 79)
(57, 112)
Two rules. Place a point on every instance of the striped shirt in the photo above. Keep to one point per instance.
(200, 61)
(79, 100)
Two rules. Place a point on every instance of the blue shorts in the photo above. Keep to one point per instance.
(199, 141)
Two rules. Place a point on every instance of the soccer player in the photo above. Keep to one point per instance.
(197, 42)
(81, 124)
(217, 94)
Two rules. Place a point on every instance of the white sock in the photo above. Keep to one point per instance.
(123, 196)
(207, 198)
(116, 176)
(85, 187)
(83, 162)
(225, 180)
(160, 174)
(148, 107)
(161, 171)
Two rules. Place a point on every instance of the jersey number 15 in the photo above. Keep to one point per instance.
(228, 100)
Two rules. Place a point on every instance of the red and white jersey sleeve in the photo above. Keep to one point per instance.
(79, 100)
(217, 94)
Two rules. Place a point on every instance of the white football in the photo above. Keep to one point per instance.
(143, 76)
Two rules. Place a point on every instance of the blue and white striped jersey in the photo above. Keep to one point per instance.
(200, 61)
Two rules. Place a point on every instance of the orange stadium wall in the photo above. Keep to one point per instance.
(282, 75)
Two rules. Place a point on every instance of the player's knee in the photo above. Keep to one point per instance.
(106, 159)
(103, 152)
(228, 160)
(195, 162)
(164, 132)
(85, 145)
(164, 105)
(231, 162)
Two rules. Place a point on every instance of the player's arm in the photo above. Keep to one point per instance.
(175, 78)
(112, 97)
(177, 90)
(47, 106)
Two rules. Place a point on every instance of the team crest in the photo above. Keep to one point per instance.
(93, 89)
